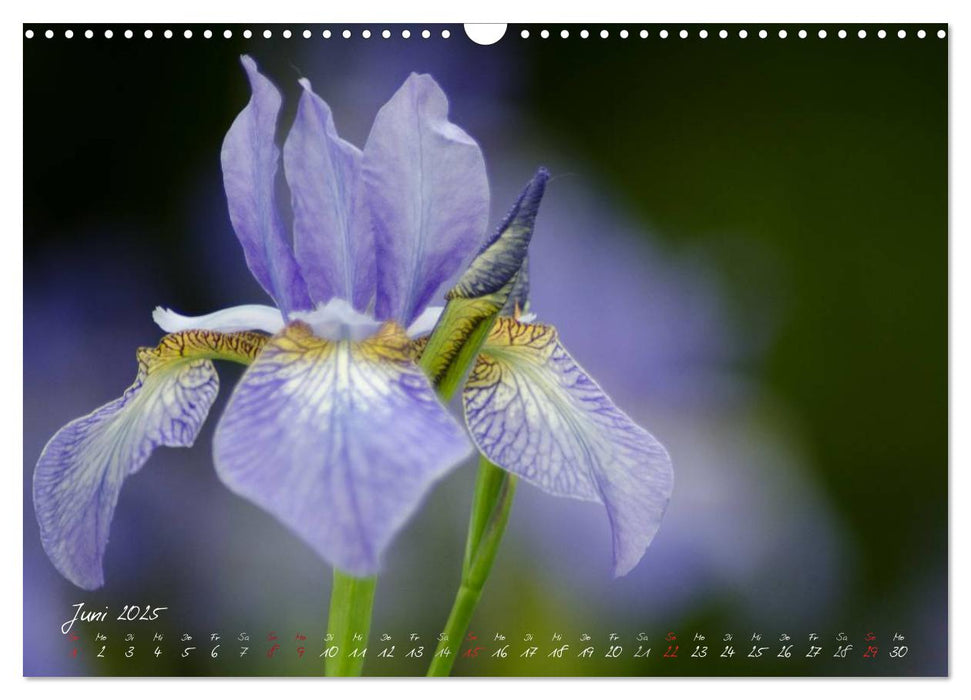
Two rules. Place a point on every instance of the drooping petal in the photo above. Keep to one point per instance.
(428, 197)
(535, 412)
(81, 470)
(249, 161)
(248, 317)
(332, 239)
(338, 440)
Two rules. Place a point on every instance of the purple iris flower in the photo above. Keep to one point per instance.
(333, 428)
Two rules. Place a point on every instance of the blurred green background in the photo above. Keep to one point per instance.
(759, 227)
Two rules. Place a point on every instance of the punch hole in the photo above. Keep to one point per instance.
(485, 34)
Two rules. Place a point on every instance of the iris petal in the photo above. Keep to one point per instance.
(235, 318)
(249, 161)
(339, 440)
(535, 412)
(332, 239)
(428, 197)
(81, 470)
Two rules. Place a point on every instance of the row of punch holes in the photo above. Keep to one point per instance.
(446, 34)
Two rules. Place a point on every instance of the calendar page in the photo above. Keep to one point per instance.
(514, 350)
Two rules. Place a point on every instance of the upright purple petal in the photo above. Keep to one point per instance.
(82, 468)
(332, 238)
(428, 196)
(533, 411)
(249, 161)
(339, 440)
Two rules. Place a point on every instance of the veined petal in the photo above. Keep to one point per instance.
(249, 161)
(338, 440)
(81, 470)
(427, 194)
(535, 412)
(332, 239)
(248, 317)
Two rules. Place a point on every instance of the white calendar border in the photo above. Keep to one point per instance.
(600, 11)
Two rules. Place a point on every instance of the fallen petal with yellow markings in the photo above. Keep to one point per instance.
(533, 411)
(81, 470)
(338, 439)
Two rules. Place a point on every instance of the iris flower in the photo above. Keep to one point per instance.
(333, 428)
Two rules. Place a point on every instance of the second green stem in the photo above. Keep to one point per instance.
(494, 491)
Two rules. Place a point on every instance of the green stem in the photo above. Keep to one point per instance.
(351, 600)
(494, 491)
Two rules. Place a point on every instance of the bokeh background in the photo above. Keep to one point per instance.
(745, 242)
